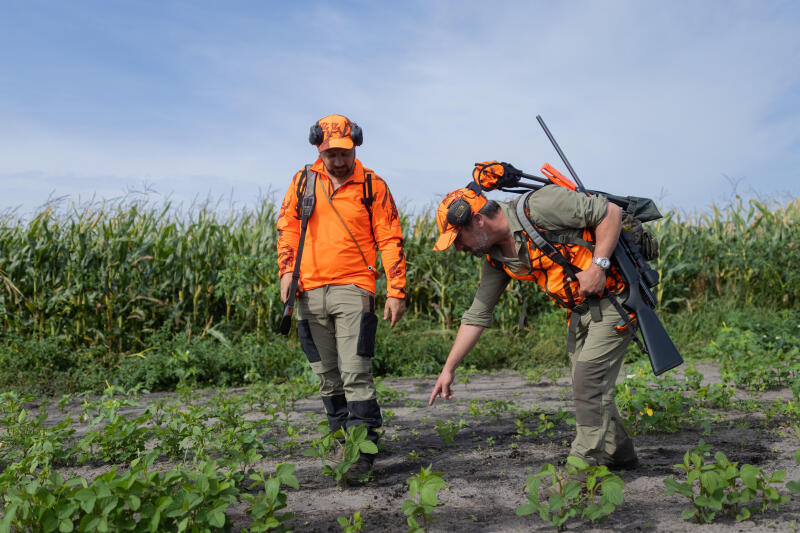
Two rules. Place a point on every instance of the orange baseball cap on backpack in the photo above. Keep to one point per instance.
(335, 131)
(454, 212)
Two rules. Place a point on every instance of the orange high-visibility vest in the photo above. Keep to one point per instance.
(552, 278)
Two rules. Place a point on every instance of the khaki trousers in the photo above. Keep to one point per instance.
(337, 326)
(595, 364)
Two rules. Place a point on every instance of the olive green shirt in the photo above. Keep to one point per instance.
(551, 208)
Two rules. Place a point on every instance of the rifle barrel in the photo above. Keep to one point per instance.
(535, 178)
(581, 188)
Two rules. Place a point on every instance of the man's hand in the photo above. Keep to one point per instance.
(442, 387)
(395, 308)
(592, 281)
(286, 282)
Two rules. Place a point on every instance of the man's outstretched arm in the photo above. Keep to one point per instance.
(466, 338)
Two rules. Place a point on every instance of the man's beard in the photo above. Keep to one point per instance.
(341, 173)
(482, 247)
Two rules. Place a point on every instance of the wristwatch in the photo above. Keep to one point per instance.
(602, 262)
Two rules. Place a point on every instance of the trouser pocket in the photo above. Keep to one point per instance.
(366, 335)
(306, 342)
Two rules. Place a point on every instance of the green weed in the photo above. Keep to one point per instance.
(721, 487)
(593, 499)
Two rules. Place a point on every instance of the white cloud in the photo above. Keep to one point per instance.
(654, 99)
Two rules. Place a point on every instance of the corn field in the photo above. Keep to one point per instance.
(113, 274)
(747, 251)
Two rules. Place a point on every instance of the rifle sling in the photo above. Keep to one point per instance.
(307, 202)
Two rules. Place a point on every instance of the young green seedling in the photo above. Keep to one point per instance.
(341, 448)
(580, 490)
(353, 524)
(265, 505)
(723, 487)
(447, 430)
(423, 499)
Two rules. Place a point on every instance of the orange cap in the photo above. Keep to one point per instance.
(447, 229)
(336, 130)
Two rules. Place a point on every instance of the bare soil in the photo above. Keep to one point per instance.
(486, 466)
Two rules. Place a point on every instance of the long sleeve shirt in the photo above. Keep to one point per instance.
(331, 255)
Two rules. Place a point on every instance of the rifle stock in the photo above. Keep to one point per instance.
(288, 308)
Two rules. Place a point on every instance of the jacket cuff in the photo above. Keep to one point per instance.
(392, 292)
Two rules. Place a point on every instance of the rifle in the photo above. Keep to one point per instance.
(639, 277)
(307, 207)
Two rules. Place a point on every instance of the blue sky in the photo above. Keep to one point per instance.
(673, 100)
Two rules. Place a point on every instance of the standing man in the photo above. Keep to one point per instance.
(354, 217)
(584, 231)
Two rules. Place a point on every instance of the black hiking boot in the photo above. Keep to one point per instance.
(624, 458)
(361, 471)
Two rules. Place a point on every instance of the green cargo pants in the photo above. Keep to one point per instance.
(337, 326)
(596, 356)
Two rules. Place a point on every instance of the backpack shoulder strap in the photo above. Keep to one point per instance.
(367, 199)
(543, 244)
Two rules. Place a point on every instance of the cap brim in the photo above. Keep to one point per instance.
(445, 240)
(342, 142)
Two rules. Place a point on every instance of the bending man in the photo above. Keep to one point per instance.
(584, 230)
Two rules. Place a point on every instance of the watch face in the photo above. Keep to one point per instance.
(603, 262)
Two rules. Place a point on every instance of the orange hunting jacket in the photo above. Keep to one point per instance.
(329, 255)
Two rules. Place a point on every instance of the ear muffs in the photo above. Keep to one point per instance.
(459, 213)
(356, 134)
(316, 135)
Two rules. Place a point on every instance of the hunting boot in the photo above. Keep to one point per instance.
(361, 471)
(368, 413)
(624, 458)
(336, 409)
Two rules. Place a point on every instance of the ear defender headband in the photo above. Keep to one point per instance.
(460, 212)
(316, 135)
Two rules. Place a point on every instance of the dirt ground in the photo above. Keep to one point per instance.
(486, 466)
